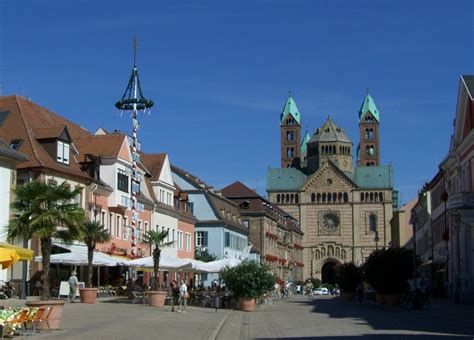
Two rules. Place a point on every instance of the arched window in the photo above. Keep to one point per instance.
(297, 199)
(326, 149)
(334, 197)
(287, 198)
(367, 150)
(318, 197)
(346, 197)
(339, 197)
(371, 197)
(340, 150)
(324, 198)
(367, 134)
(373, 222)
(362, 197)
(329, 197)
(380, 196)
(278, 198)
(371, 134)
(313, 197)
(288, 152)
(291, 198)
(292, 152)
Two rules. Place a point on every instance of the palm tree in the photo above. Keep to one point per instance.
(93, 233)
(156, 240)
(46, 211)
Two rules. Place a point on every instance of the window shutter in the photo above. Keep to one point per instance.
(60, 151)
(204, 239)
(66, 153)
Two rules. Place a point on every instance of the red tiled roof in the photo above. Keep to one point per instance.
(100, 145)
(238, 189)
(153, 163)
(27, 117)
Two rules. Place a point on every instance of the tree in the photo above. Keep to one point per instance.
(202, 254)
(93, 233)
(46, 211)
(156, 240)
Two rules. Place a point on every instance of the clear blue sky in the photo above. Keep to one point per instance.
(220, 71)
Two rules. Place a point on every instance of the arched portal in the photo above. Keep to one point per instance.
(327, 272)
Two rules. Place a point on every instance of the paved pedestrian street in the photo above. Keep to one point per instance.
(298, 318)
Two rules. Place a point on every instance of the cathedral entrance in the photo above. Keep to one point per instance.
(327, 272)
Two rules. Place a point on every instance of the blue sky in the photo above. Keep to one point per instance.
(220, 71)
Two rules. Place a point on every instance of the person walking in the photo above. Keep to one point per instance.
(174, 294)
(183, 297)
(73, 282)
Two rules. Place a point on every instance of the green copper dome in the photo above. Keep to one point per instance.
(290, 109)
(304, 143)
(368, 105)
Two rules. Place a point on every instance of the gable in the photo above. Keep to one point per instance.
(125, 153)
(328, 177)
(165, 174)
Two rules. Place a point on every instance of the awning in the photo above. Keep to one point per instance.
(8, 257)
(23, 253)
(77, 255)
(119, 258)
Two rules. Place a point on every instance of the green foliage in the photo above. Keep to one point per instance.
(156, 240)
(45, 210)
(329, 286)
(387, 270)
(203, 255)
(316, 282)
(93, 233)
(249, 279)
(348, 276)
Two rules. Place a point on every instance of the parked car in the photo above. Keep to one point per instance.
(321, 291)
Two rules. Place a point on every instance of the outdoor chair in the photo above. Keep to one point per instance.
(138, 297)
(41, 315)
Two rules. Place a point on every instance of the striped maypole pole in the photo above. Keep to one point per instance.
(134, 101)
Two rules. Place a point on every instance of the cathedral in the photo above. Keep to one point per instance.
(343, 205)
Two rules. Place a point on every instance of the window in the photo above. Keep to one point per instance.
(373, 222)
(201, 238)
(174, 238)
(227, 239)
(122, 180)
(180, 239)
(3, 116)
(16, 143)
(118, 226)
(188, 241)
(139, 231)
(103, 219)
(63, 153)
(111, 224)
(126, 228)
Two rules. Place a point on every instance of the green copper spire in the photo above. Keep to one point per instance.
(290, 109)
(304, 143)
(368, 105)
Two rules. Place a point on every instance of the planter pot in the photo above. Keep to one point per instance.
(381, 300)
(55, 315)
(247, 305)
(348, 296)
(393, 299)
(88, 295)
(157, 298)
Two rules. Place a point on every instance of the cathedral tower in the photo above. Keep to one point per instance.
(290, 130)
(369, 121)
(329, 142)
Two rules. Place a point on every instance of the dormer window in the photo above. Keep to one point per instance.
(62, 155)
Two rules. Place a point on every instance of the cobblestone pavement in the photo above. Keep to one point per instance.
(297, 318)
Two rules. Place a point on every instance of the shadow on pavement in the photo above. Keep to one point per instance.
(442, 318)
(377, 336)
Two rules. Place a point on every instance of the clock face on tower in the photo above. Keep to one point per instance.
(330, 221)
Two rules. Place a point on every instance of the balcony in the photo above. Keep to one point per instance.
(462, 200)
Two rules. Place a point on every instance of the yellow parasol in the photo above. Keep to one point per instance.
(25, 254)
(8, 257)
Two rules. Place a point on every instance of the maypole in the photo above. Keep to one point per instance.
(134, 101)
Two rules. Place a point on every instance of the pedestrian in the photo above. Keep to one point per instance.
(183, 297)
(174, 294)
(360, 292)
(73, 282)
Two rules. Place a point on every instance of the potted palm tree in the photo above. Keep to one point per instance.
(46, 211)
(348, 277)
(248, 281)
(156, 240)
(93, 233)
